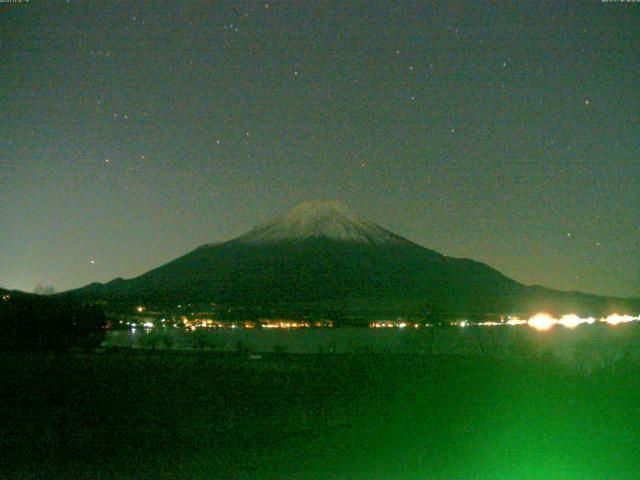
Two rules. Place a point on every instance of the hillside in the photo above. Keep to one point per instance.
(320, 257)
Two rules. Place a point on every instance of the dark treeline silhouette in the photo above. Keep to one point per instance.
(29, 321)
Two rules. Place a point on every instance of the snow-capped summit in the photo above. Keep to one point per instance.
(328, 219)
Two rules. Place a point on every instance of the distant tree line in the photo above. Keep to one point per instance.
(29, 321)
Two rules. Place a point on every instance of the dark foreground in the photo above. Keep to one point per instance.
(137, 414)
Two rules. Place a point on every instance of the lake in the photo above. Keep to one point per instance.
(584, 347)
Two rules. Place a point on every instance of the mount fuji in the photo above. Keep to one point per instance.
(322, 258)
(330, 220)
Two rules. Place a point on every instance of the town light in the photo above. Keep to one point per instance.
(615, 319)
(570, 321)
(542, 322)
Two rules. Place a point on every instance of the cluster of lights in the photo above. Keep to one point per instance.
(296, 324)
(392, 324)
(543, 321)
(382, 325)
(572, 321)
(207, 324)
(515, 321)
(286, 324)
(540, 321)
(615, 319)
(200, 323)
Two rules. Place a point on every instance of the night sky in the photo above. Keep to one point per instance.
(507, 132)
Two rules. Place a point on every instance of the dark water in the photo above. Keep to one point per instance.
(584, 348)
(172, 414)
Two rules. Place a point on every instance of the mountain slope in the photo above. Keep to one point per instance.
(322, 257)
(320, 220)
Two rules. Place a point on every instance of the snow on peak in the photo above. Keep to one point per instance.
(314, 213)
(329, 219)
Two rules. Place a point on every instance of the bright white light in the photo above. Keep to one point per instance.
(571, 321)
(148, 325)
(402, 325)
(615, 319)
(542, 322)
(516, 321)
(464, 323)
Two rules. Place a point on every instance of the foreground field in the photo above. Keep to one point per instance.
(170, 414)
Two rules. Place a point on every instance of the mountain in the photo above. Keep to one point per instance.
(330, 220)
(322, 258)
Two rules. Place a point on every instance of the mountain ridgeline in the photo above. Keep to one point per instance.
(53, 322)
(320, 258)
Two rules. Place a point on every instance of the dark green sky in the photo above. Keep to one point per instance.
(508, 132)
